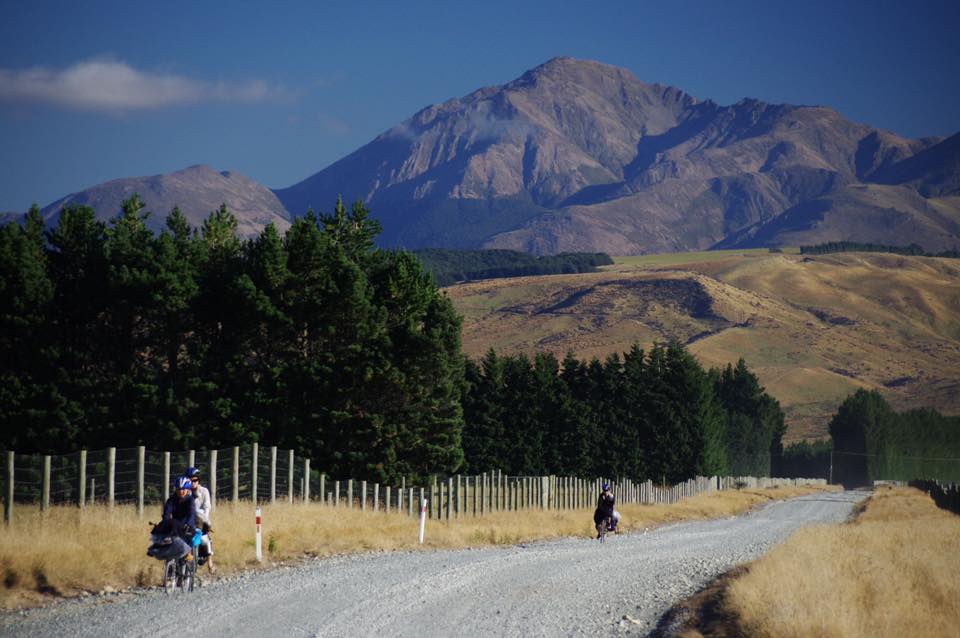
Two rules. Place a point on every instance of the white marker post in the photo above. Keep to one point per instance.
(259, 545)
(423, 518)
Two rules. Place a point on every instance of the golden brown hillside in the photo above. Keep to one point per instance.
(813, 328)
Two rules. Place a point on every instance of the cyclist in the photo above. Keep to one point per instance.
(202, 506)
(604, 509)
(178, 516)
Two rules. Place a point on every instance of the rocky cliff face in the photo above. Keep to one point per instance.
(196, 190)
(578, 155)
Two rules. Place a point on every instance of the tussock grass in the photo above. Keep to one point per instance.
(892, 572)
(66, 551)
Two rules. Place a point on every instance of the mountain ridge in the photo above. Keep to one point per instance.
(197, 190)
(578, 155)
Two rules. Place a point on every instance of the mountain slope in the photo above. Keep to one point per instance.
(196, 190)
(579, 155)
(814, 329)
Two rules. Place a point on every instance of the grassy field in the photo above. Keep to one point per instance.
(674, 259)
(813, 328)
(67, 551)
(892, 572)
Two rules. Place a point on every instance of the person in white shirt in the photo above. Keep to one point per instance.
(202, 507)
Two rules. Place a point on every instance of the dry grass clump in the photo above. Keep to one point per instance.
(67, 550)
(892, 572)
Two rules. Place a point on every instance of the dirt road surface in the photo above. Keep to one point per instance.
(567, 587)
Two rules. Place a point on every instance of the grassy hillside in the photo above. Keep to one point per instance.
(814, 329)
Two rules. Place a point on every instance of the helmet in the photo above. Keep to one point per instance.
(606, 486)
(184, 483)
(191, 472)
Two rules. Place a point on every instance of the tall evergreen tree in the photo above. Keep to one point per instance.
(31, 418)
(78, 267)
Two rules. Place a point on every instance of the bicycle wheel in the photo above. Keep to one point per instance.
(604, 528)
(170, 576)
(185, 581)
(193, 569)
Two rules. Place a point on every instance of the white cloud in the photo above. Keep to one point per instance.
(332, 124)
(109, 85)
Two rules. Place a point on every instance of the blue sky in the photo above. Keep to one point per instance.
(278, 91)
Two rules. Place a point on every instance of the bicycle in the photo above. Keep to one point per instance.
(604, 526)
(179, 573)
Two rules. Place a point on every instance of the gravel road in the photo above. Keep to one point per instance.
(567, 587)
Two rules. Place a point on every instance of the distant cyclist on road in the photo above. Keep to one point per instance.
(604, 509)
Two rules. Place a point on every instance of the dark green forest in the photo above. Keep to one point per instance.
(316, 341)
(872, 441)
(857, 247)
(320, 342)
(805, 459)
(656, 415)
(452, 266)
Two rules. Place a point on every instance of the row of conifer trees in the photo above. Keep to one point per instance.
(111, 335)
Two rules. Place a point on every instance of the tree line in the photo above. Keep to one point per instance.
(318, 341)
(113, 336)
(872, 441)
(656, 415)
(852, 246)
(452, 266)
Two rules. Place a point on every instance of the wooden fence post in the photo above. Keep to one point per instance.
(253, 483)
(450, 501)
(236, 474)
(363, 496)
(8, 502)
(483, 492)
(350, 493)
(323, 487)
(93, 490)
(213, 479)
(290, 463)
(191, 458)
(45, 486)
(111, 473)
(441, 488)
(166, 476)
(141, 460)
(459, 509)
(306, 481)
(336, 493)
(273, 474)
(82, 488)
(376, 497)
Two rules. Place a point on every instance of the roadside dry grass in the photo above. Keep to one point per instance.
(66, 551)
(891, 572)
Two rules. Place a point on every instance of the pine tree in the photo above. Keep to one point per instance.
(29, 400)
(79, 269)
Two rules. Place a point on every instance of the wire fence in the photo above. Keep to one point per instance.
(268, 475)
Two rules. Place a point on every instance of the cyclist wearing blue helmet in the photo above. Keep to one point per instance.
(178, 516)
(604, 509)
